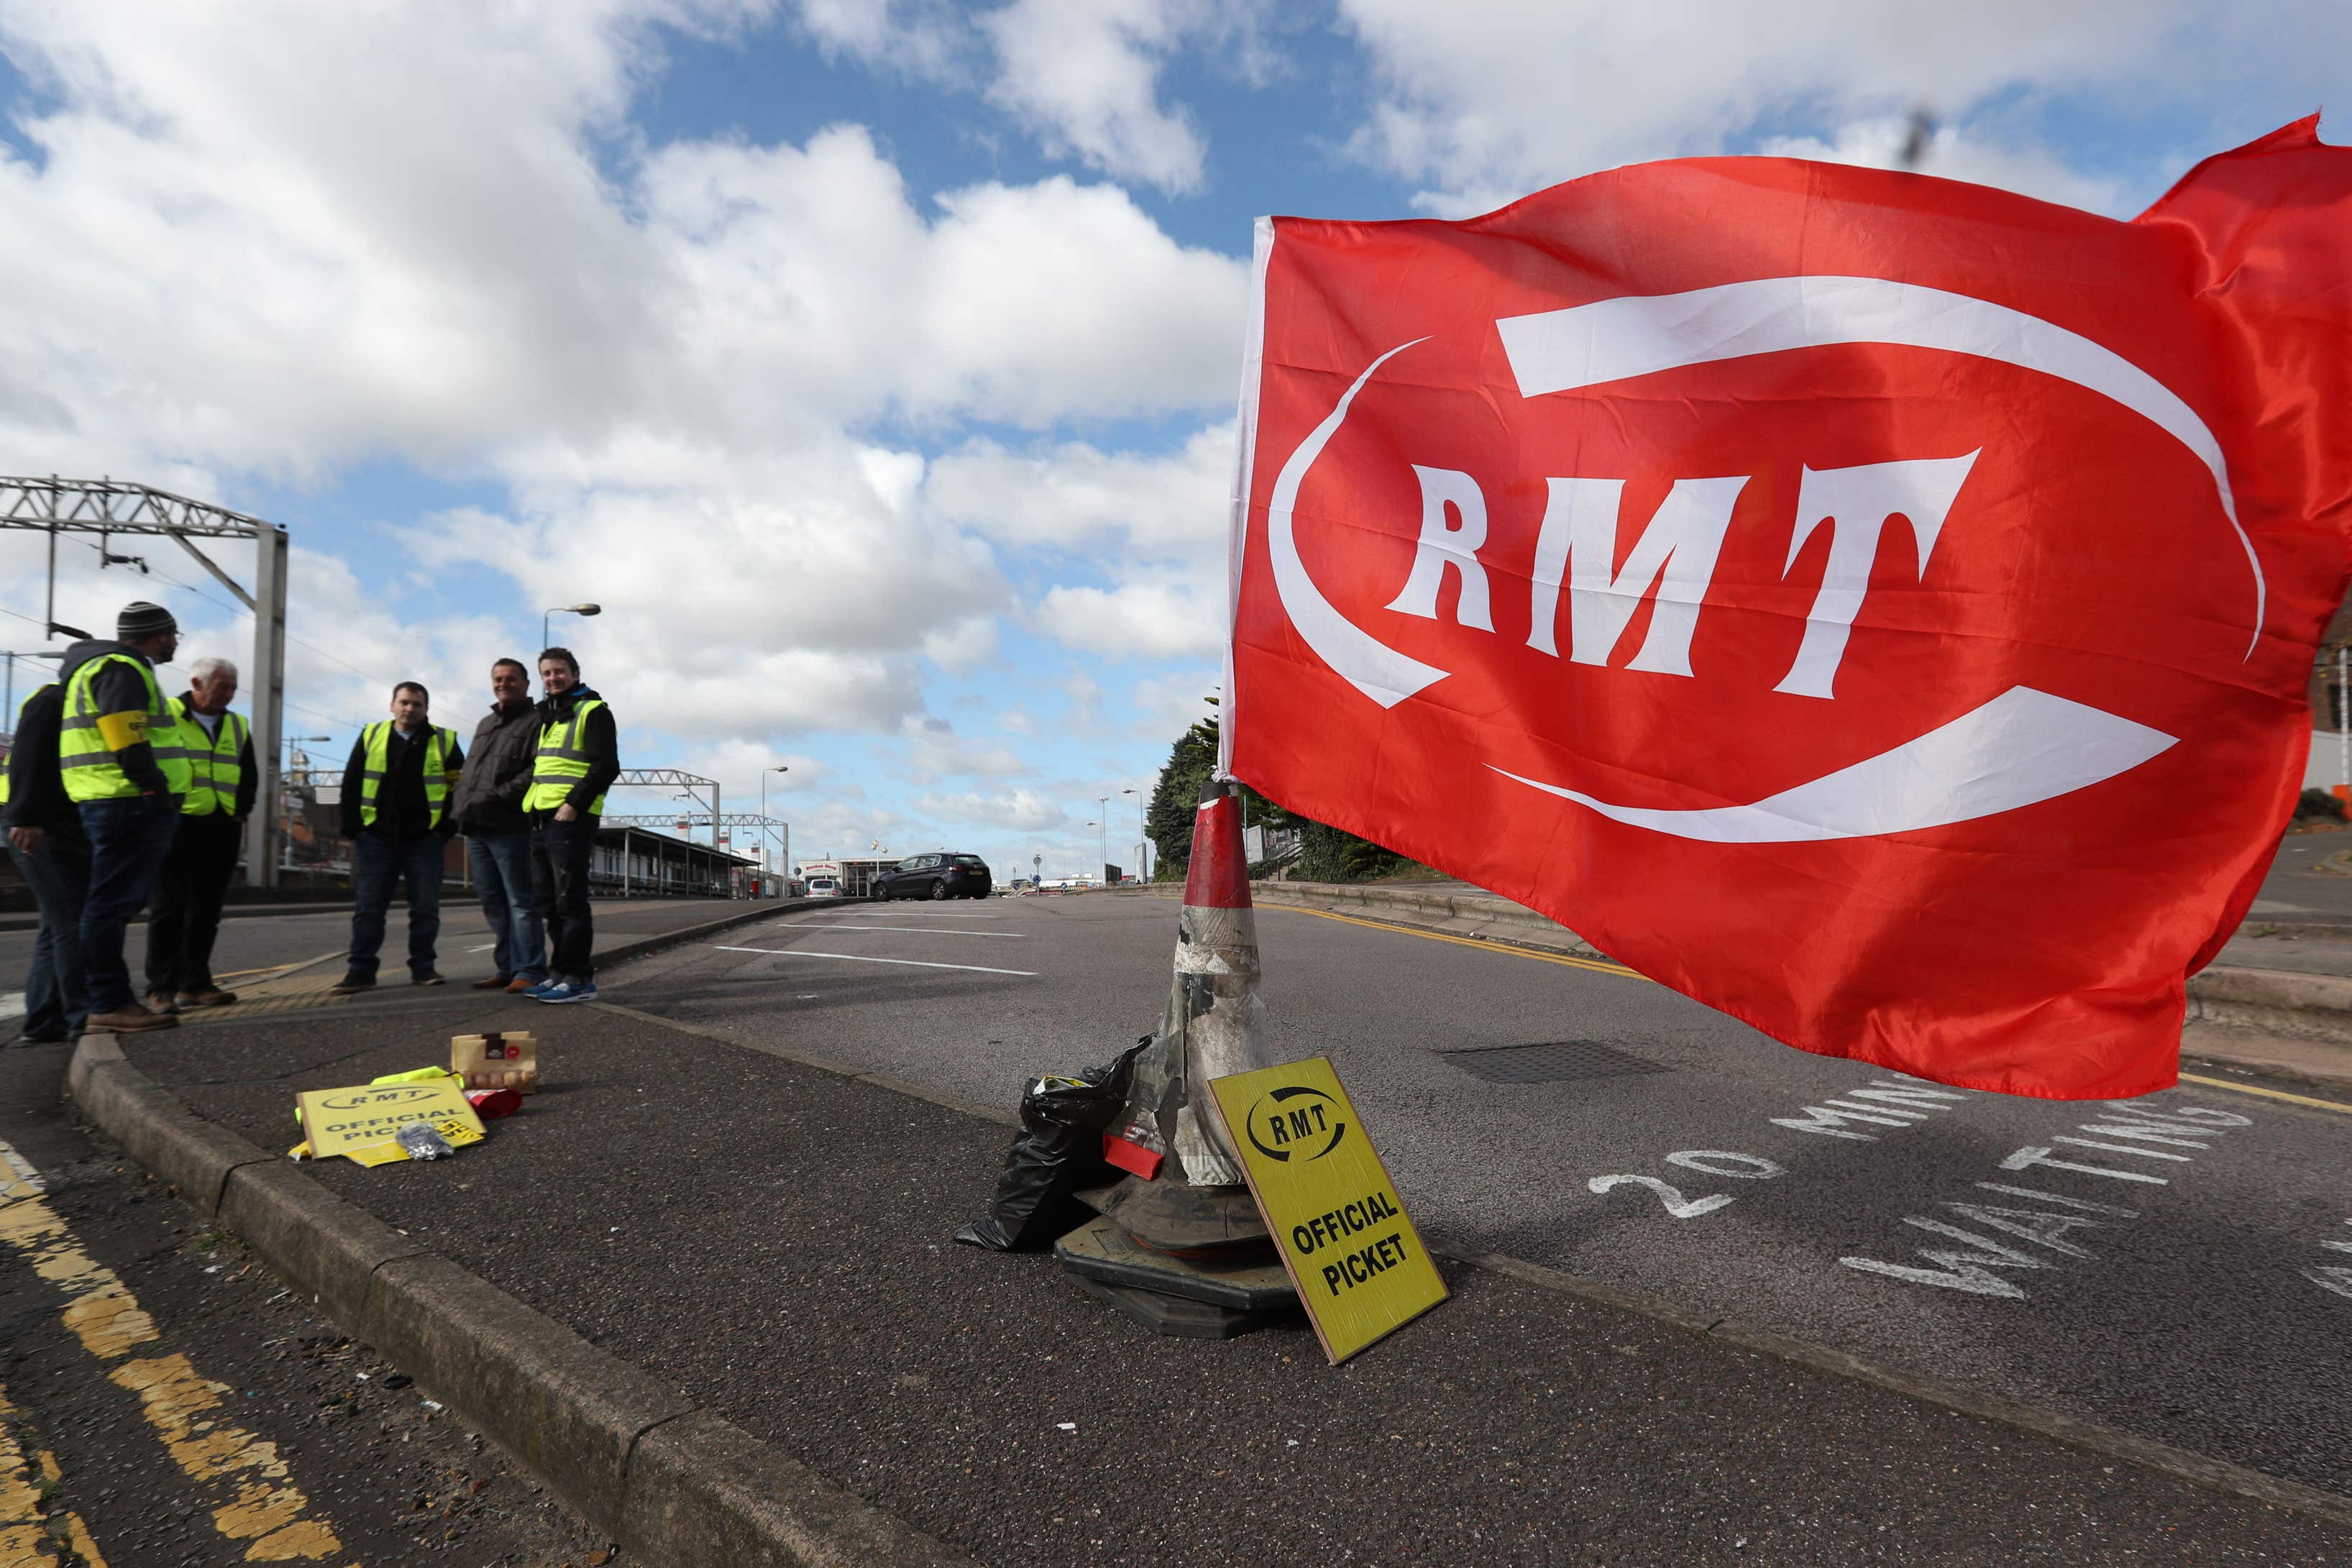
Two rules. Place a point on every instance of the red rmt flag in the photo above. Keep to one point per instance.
(1875, 606)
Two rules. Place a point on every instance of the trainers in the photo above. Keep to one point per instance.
(495, 983)
(426, 980)
(160, 1002)
(539, 989)
(211, 997)
(523, 984)
(129, 1019)
(351, 985)
(569, 991)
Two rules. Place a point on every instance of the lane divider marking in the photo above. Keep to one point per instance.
(266, 1508)
(862, 959)
(925, 930)
(1595, 965)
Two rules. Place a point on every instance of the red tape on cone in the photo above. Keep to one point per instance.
(1218, 877)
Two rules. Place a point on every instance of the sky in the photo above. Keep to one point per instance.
(871, 362)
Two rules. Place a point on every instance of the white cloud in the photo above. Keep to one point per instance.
(1085, 74)
(923, 40)
(1173, 616)
(1155, 525)
(1072, 494)
(334, 235)
(1515, 95)
(1952, 154)
(1024, 810)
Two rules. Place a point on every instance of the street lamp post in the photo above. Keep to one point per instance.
(1102, 803)
(764, 832)
(1142, 839)
(547, 640)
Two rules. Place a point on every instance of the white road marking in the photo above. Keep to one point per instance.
(11, 1004)
(926, 930)
(860, 959)
(483, 948)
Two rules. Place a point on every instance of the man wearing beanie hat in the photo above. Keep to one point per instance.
(127, 790)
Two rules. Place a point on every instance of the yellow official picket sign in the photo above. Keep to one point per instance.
(1351, 1251)
(364, 1124)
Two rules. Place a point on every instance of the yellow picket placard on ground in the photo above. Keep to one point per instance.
(1338, 1222)
(360, 1123)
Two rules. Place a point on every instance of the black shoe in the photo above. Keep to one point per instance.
(351, 985)
(426, 980)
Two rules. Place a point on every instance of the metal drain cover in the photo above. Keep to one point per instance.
(1557, 1062)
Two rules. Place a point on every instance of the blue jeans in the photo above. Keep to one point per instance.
(129, 837)
(502, 865)
(59, 878)
(377, 864)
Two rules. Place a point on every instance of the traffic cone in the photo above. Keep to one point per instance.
(1188, 1194)
(1180, 1246)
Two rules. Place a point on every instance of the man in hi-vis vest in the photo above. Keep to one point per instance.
(222, 781)
(579, 757)
(396, 814)
(118, 752)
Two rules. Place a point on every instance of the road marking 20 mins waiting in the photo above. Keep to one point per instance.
(2123, 1128)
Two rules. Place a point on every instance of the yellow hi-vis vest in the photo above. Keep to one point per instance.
(560, 763)
(91, 773)
(438, 776)
(215, 762)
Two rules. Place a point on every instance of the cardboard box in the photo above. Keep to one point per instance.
(509, 1061)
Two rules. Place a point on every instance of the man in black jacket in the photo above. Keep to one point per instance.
(395, 812)
(184, 920)
(578, 756)
(52, 853)
(488, 808)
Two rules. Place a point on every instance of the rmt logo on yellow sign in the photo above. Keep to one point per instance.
(1350, 1250)
(364, 1124)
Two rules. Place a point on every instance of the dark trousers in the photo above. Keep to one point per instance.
(378, 864)
(58, 875)
(129, 837)
(501, 866)
(187, 915)
(559, 853)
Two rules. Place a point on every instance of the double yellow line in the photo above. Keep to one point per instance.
(257, 1508)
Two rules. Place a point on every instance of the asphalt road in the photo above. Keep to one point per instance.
(772, 1239)
(2177, 1284)
(226, 1425)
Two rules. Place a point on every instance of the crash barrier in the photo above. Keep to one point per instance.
(670, 1480)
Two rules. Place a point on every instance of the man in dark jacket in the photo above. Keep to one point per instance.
(396, 812)
(577, 759)
(51, 851)
(127, 792)
(488, 808)
(222, 784)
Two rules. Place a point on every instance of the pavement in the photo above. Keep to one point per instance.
(771, 1237)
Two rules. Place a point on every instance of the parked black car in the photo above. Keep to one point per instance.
(941, 875)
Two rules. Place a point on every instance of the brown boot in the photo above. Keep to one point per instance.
(128, 1019)
(495, 983)
(211, 997)
(161, 1002)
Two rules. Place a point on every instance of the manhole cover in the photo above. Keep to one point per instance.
(1555, 1062)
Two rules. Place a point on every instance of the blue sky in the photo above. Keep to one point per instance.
(871, 360)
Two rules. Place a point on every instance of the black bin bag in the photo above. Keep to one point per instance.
(1057, 1152)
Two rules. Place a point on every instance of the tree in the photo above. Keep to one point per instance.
(1326, 854)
